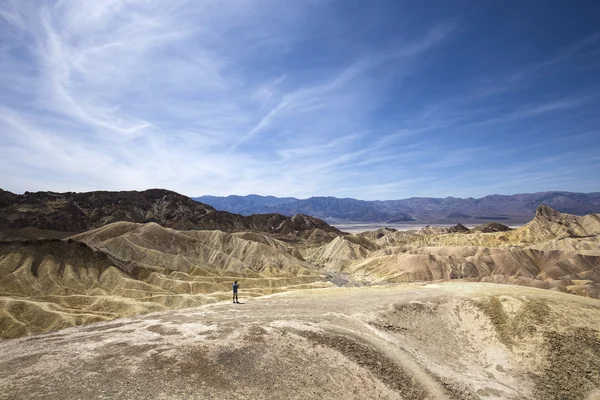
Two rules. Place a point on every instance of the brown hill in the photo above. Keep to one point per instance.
(436, 230)
(554, 251)
(127, 268)
(377, 234)
(491, 227)
(79, 212)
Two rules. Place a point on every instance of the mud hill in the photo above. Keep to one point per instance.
(449, 341)
(54, 215)
(297, 336)
(491, 227)
(554, 251)
(127, 268)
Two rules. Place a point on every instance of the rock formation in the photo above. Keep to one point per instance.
(126, 268)
(440, 328)
(79, 212)
(435, 230)
(491, 227)
(554, 251)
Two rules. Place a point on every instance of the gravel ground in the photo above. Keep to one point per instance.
(439, 341)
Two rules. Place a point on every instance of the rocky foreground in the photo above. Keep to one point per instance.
(454, 340)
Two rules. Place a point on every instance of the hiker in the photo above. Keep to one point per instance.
(235, 288)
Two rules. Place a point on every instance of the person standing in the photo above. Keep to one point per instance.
(235, 288)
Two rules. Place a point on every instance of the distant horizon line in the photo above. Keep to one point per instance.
(402, 198)
(306, 198)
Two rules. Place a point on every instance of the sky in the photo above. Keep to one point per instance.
(367, 99)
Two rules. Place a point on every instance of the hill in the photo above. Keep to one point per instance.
(445, 341)
(553, 251)
(128, 268)
(49, 213)
(514, 209)
(125, 269)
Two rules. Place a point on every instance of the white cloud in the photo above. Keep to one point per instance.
(214, 97)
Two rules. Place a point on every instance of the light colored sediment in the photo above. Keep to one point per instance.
(126, 269)
(441, 341)
(554, 251)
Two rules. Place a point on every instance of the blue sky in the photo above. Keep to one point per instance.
(364, 99)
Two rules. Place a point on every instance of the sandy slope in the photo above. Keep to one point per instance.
(126, 268)
(444, 341)
(554, 251)
(129, 269)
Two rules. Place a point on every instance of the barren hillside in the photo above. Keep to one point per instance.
(52, 215)
(129, 268)
(450, 341)
(554, 251)
(125, 268)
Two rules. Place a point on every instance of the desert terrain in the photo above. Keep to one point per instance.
(137, 304)
(457, 340)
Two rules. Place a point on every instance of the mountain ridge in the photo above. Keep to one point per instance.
(517, 208)
(78, 212)
(128, 268)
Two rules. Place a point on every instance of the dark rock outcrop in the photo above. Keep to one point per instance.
(491, 227)
(377, 234)
(436, 230)
(78, 212)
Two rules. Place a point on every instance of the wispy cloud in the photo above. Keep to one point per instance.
(561, 55)
(330, 92)
(284, 98)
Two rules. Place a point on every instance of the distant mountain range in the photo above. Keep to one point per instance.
(518, 208)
